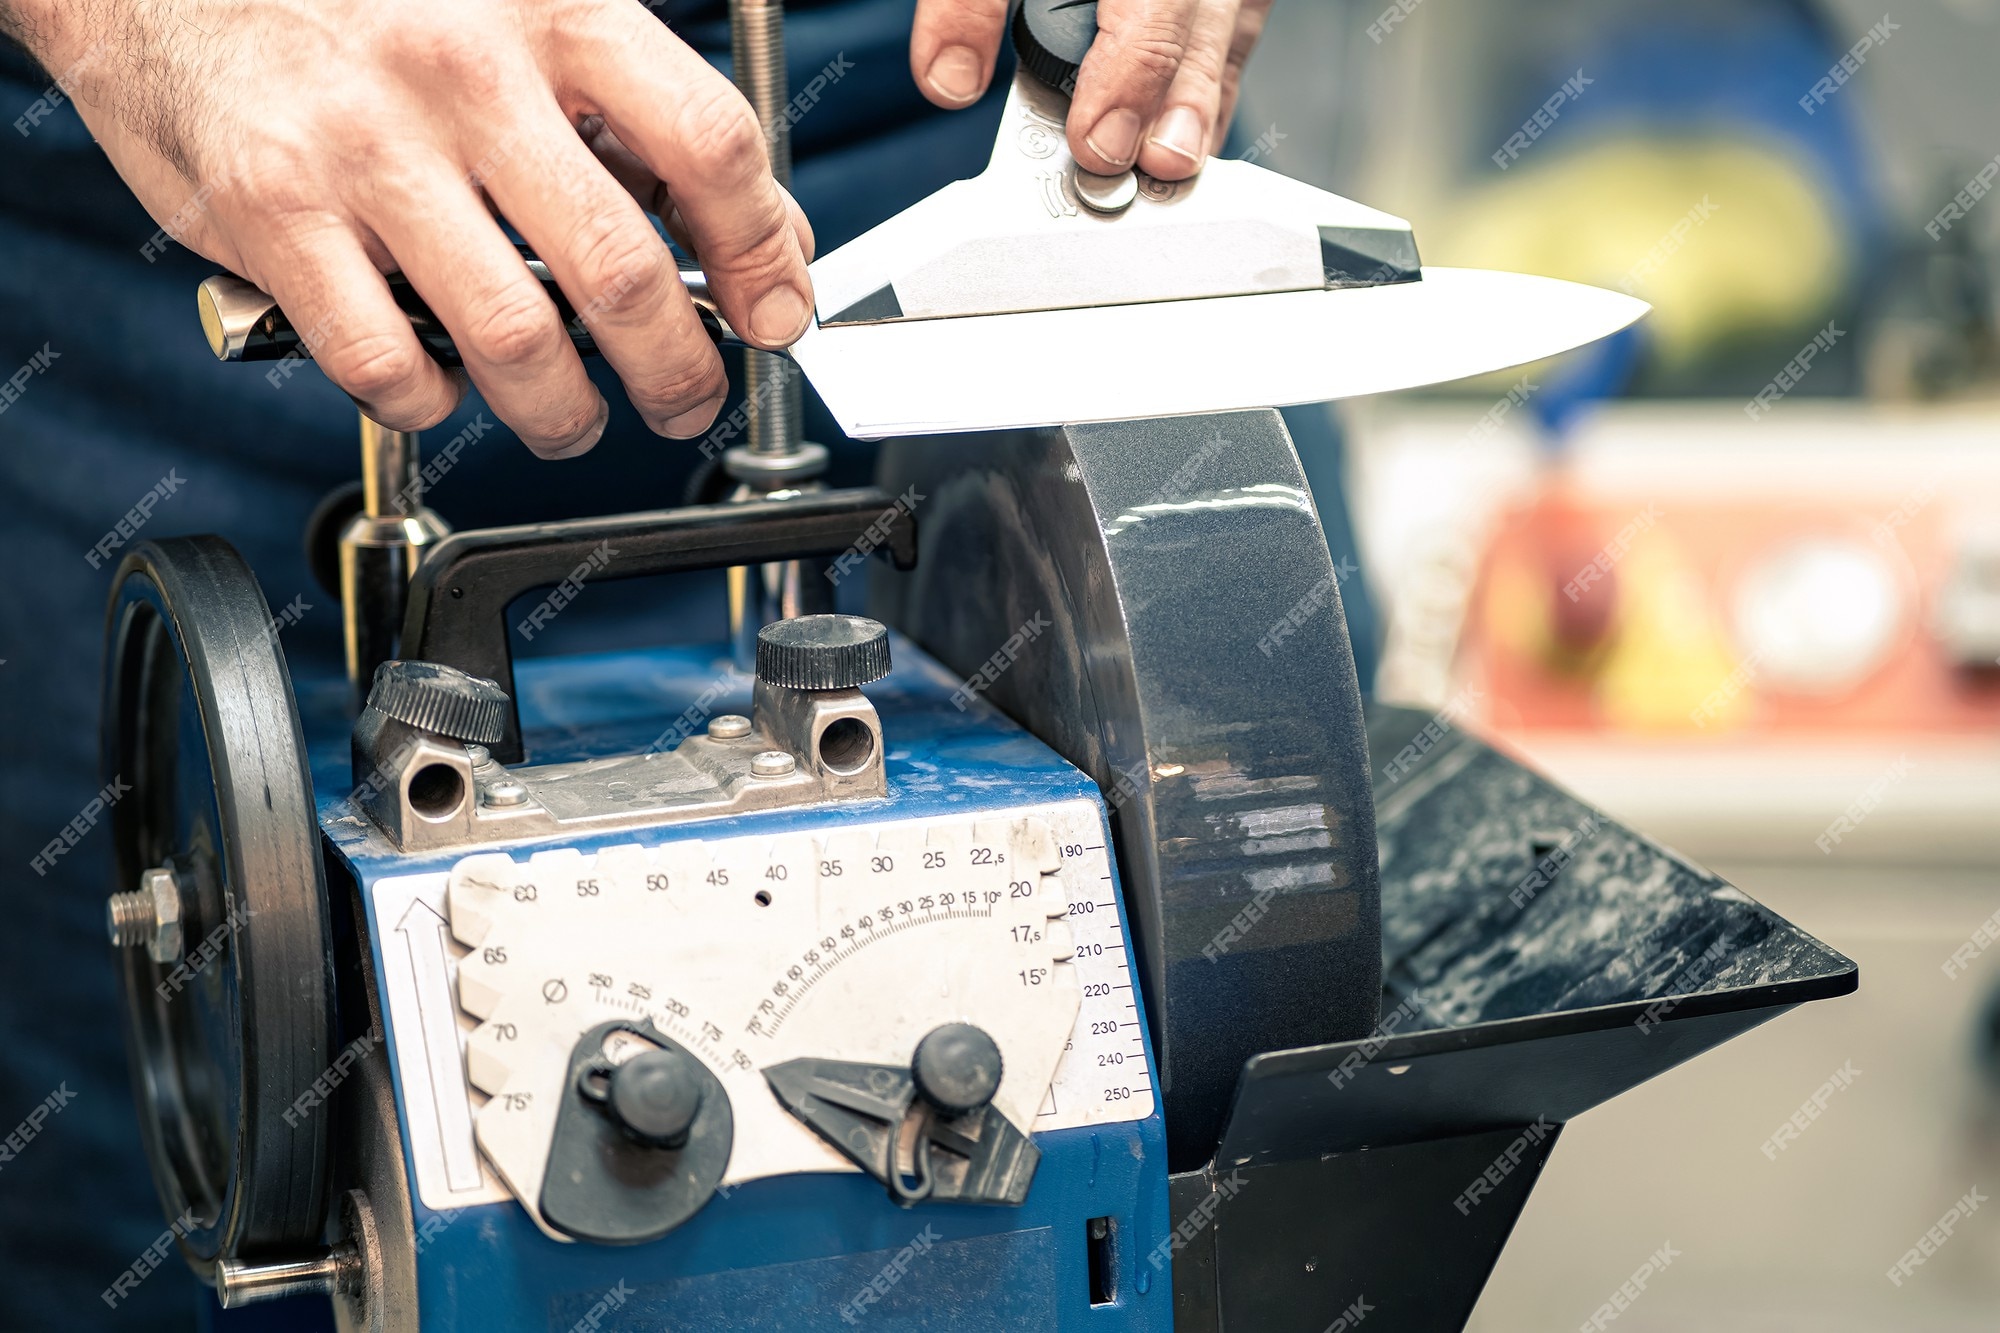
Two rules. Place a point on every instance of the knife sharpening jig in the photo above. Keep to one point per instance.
(1035, 954)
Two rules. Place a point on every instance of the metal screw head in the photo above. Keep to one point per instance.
(729, 727)
(503, 793)
(772, 764)
(1106, 194)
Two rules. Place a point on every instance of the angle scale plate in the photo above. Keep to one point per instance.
(846, 944)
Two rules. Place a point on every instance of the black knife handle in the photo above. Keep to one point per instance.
(244, 323)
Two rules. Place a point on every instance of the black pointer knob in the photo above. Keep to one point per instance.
(440, 699)
(655, 1097)
(956, 1068)
(1051, 38)
(825, 652)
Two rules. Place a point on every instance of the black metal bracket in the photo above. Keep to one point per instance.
(457, 609)
(1540, 960)
(862, 1110)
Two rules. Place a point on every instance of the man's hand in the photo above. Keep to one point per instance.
(312, 147)
(1158, 88)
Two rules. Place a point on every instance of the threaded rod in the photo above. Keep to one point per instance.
(130, 916)
(773, 421)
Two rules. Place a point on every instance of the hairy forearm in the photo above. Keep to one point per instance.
(67, 38)
(131, 67)
(44, 29)
(34, 25)
(14, 22)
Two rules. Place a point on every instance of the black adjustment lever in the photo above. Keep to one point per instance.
(457, 610)
(244, 323)
(963, 1150)
(640, 1144)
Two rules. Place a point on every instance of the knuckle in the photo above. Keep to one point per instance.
(617, 260)
(447, 50)
(718, 132)
(515, 328)
(378, 366)
(958, 20)
(417, 416)
(561, 421)
(389, 184)
(693, 378)
(763, 256)
(1154, 48)
(276, 175)
(1204, 62)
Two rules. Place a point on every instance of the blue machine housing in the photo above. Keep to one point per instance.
(793, 1252)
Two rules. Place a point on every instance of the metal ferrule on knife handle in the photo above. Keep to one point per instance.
(243, 323)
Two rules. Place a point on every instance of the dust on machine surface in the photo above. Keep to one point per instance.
(1035, 954)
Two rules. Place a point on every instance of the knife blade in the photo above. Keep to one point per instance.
(1176, 358)
(1108, 363)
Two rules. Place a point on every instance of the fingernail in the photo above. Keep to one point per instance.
(690, 424)
(957, 75)
(781, 316)
(1115, 138)
(587, 441)
(1180, 133)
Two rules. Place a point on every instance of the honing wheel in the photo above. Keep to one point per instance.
(230, 1025)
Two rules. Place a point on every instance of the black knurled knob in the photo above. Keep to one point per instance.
(822, 652)
(956, 1068)
(1051, 38)
(655, 1097)
(442, 700)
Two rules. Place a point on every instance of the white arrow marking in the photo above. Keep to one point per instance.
(422, 930)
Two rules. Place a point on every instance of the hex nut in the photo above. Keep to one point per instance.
(163, 887)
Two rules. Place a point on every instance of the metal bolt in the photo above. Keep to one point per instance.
(481, 756)
(505, 792)
(241, 1282)
(131, 918)
(148, 915)
(729, 727)
(772, 764)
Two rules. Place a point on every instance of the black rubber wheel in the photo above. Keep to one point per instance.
(201, 726)
(1986, 1036)
(329, 518)
(708, 484)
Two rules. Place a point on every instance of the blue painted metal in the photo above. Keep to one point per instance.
(794, 1252)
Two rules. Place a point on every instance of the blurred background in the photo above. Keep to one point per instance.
(1735, 576)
